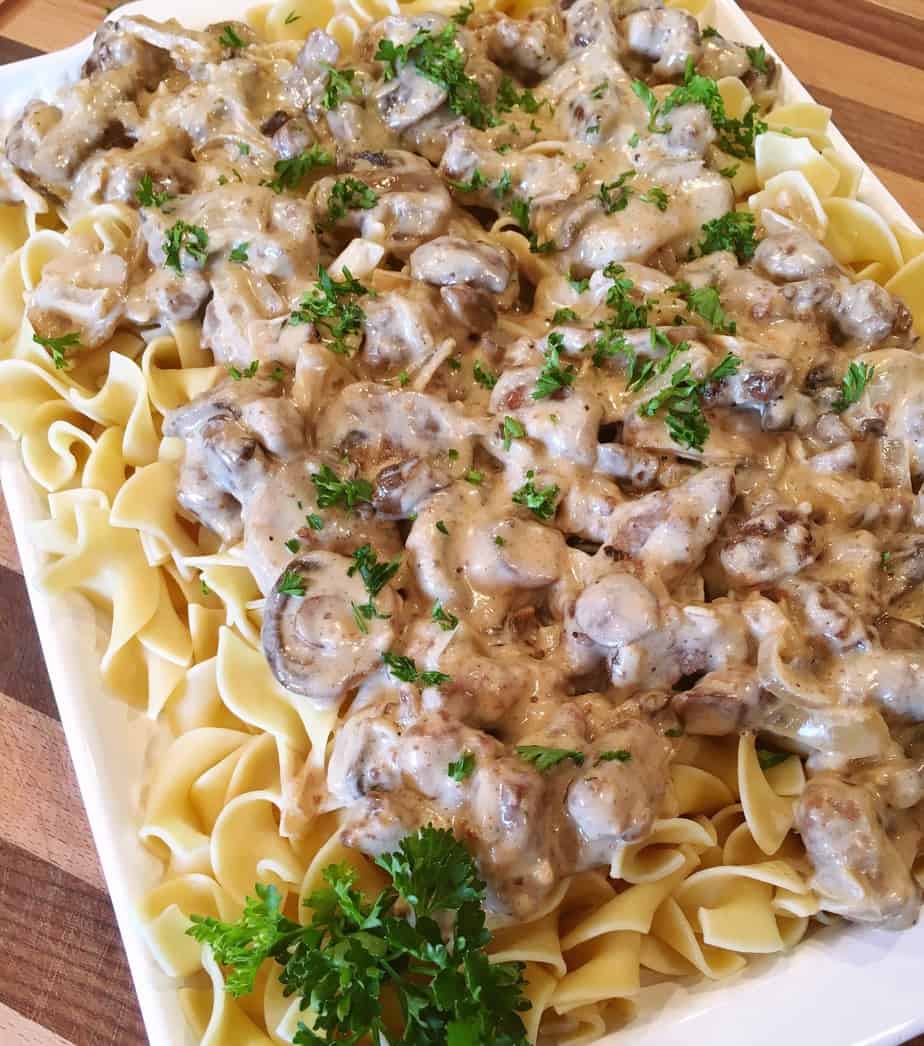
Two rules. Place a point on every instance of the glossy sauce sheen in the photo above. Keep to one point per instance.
(588, 587)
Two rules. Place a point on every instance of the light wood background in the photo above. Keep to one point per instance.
(63, 976)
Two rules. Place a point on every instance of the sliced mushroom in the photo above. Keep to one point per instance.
(316, 641)
(449, 260)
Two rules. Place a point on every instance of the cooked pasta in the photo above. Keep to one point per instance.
(489, 431)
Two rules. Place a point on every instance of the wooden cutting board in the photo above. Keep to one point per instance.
(63, 976)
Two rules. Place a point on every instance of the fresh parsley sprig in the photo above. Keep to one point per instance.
(339, 86)
(349, 194)
(375, 576)
(734, 232)
(354, 950)
(345, 493)
(461, 768)
(541, 501)
(57, 347)
(553, 377)
(545, 759)
(853, 385)
(331, 306)
(182, 237)
(291, 172)
(404, 668)
(147, 195)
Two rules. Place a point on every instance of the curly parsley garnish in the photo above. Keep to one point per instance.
(239, 254)
(486, 379)
(339, 86)
(553, 376)
(512, 430)
(541, 501)
(443, 618)
(404, 668)
(544, 759)
(375, 576)
(683, 398)
(291, 584)
(57, 347)
(147, 195)
(181, 237)
(853, 385)
(519, 210)
(657, 197)
(332, 490)
(248, 372)
(349, 194)
(290, 173)
(734, 232)
(614, 196)
(461, 768)
(331, 306)
(353, 951)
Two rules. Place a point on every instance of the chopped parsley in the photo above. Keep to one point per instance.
(564, 316)
(757, 56)
(710, 30)
(243, 148)
(614, 196)
(461, 768)
(553, 377)
(404, 669)
(314, 521)
(291, 584)
(519, 209)
(578, 283)
(734, 232)
(649, 100)
(885, 562)
(290, 173)
(600, 90)
(339, 86)
(485, 378)
(475, 477)
(331, 306)
(657, 197)
(512, 430)
(547, 758)
(147, 195)
(293, 545)
(730, 171)
(683, 398)
(203, 587)
(248, 372)
(705, 302)
(619, 755)
(503, 184)
(499, 541)
(476, 182)
(229, 38)
(419, 945)
(239, 253)
(853, 385)
(463, 14)
(509, 98)
(634, 139)
(768, 758)
(349, 194)
(57, 347)
(332, 490)
(180, 237)
(375, 576)
(541, 501)
(439, 58)
(443, 618)
(442, 528)
(291, 18)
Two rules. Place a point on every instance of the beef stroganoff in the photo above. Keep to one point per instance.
(493, 444)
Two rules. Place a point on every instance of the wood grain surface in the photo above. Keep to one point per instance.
(63, 976)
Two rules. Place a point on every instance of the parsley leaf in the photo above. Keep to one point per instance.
(291, 18)
(461, 768)
(248, 372)
(657, 197)
(476, 182)
(553, 376)
(463, 14)
(339, 86)
(443, 618)
(768, 758)
(475, 477)
(757, 56)
(579, 284)
(619, 755)
(230, 38)
(180, 237)
(442, 528)
(332, 490)
(57, 347)
(734, 231)
(293, 545)
(314, 521)
(375, 575)
(547, 758)
(853, 385)
(519, 209)
(349, 194)
(614, 196)
(147, 195)
(485, 378)
(564, 316)
(541, 501)
(290, 173)
(649, 100)
(332, 308)
(513, 429)
(405, 669)
(355, 950)
(291, 584)
(239, 253)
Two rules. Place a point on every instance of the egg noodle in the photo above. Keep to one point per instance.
(723, 880)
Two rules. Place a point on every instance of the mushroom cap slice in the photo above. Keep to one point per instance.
(313, 641)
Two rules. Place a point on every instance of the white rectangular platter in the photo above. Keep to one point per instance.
(840, 987)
